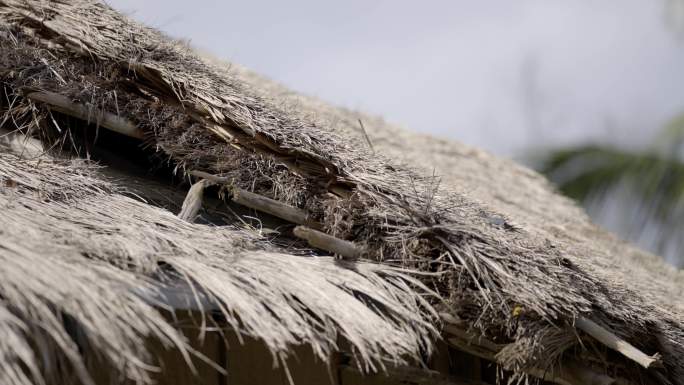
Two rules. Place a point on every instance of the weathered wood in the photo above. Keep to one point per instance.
(402, 375)
(105, 119)
(323, 241)
(612, 341)
(272, 206)
(261, 203)
(193, 202)
(167, 366)
(210, 177)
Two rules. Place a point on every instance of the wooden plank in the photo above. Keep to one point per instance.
(250, 363)
(175, 371)
(618, 344)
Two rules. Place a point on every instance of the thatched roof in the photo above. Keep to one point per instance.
(446, 234)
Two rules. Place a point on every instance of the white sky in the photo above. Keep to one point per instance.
(503, 75)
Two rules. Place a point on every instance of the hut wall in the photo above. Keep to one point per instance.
(246, 363)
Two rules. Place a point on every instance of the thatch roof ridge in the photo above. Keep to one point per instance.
(503, 186)
(489, 180)
(522, 195)
(512, 272)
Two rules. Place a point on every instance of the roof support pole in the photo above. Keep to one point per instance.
(616, 343)
(86, 113)
(320, 240)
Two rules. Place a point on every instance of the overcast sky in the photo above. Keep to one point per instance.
(503, 75)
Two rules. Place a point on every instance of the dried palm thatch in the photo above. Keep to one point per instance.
(73, 245)
(512, 262)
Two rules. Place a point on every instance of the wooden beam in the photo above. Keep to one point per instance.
(261, 203)
(308, 229)
(403, 375)
(210, 177)
(86, 113)
(272, 206)
(612, 341)
(345, 249)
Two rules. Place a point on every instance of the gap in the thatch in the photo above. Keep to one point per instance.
(152, 176)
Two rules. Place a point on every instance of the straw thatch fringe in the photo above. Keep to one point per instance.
(62, 223)
(506, 279)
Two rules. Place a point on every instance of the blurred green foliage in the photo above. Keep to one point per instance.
(654, 174)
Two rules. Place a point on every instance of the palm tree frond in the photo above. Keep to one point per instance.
(584, 171)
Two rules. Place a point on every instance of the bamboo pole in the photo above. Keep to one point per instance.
(345, 249)
(210, 177)
(272, 206)
(616, 343)
(262, 203)
(105, 119)
(308, 229)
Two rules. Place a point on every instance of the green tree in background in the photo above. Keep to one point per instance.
(653, 177)
(637, 193)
